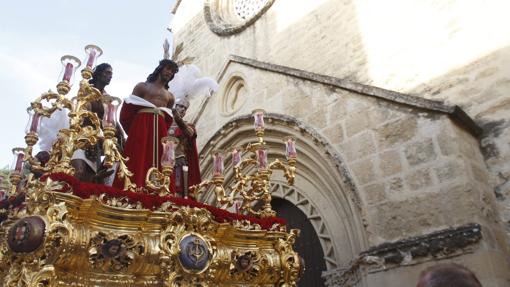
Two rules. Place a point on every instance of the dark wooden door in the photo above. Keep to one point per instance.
(307, 244)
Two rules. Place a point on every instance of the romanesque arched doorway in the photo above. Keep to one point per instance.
(307, 244)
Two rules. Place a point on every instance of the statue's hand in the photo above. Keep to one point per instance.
(176, 114)
(102, 174)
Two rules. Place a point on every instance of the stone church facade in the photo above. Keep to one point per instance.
(401, 113)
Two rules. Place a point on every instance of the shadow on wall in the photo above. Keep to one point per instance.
(482, 89)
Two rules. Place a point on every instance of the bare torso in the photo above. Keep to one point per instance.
(155, 94)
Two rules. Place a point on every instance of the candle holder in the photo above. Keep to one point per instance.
(252, 188)
(69, 66)
(160, 180)
(77, 136)
(92, 52)
(218, 163)
(236, 156)
(217, 181)
(16, 169)
(258, 116)
(261, 154)
(110, 105)
(32, 128)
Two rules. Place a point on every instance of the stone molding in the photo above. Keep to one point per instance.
(330, 151)
(453, 111)
(220, 24)
(445, 243)
(232, 98)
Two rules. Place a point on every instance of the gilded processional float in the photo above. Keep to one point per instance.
(58, 231)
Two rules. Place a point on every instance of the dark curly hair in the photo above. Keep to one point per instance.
(163, 63)
(97, 71)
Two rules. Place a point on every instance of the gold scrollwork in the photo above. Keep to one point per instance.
(247, 265)
(111, 253)
(77, 136)
(36, 268)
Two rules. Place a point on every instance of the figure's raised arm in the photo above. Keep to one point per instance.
(140, 90)
(171, 100)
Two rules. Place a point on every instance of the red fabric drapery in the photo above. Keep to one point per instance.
(153, 201)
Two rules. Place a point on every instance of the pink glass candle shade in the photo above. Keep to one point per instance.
(70, 64)
(262, 159)
(93, 52)
(34, 121)
(168, 156)
(91, 59)
(17, 163)
(218, 165)
(110, 112)
(258, 116)
(68, 72)
(236, 157)
(290, 148)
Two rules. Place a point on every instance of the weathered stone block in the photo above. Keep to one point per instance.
(419, 179)
(447, 144)
(336, 110)
(335, 133)
(449, 171)
(399, 219)
(396, 132)
(363, 171)
(356, 122)
(420, 152)
(395, 187)
(461, 204)
(479, 173)
(390, 163)
(360, 146)
(296, 103)
(374, 193)
(381, 113)
(318, 118)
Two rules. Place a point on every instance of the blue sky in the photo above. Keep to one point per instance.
(34, 35)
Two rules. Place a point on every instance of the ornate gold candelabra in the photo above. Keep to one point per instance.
(252, 188)
(78, 135)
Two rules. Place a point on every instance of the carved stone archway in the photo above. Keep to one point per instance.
(323, 190)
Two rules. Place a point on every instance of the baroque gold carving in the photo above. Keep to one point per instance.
(292, 264)
(111, 253)
(245, 266)
(37, 268)
(147, 244)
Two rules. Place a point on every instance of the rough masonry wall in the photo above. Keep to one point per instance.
(449, 50)
(416, 171)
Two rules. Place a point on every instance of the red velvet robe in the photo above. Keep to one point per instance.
(139, 147)
(192, 159)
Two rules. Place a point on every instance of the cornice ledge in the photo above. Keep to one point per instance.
(453, 111)
(444, 243)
